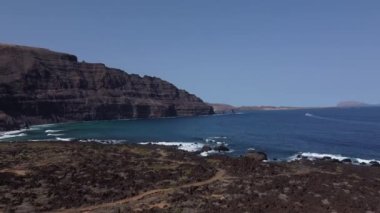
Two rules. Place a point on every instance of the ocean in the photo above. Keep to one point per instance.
(338, 133)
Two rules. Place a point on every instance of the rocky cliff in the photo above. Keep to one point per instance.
(41, 86)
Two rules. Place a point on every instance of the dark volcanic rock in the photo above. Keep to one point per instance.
(38, 86)
(326, 158)
(347, 160)
(7, 122)
(374, 163)
(206, 148)
(221, 148)
(257, 156)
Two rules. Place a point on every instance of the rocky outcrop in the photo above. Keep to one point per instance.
(41, 86)
(256, 156)
(7, 122)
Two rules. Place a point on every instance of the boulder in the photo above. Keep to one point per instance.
(206, 148)
(326, 158)
(257, 156)
(221, 148)
(346, 160)
(374, 164)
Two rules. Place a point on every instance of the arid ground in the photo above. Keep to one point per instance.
(92, 177)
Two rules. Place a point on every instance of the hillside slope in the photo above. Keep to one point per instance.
(41, 86)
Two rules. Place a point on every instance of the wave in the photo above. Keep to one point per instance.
(5, 136)
(55, 135)
(192, 146)
(316, 156)
(211, 152)
(64, 139)
(340, 120)
(110, 141)
(13, 134)
(207, 153)
(53, 130)
(186, 146)
(216, 139)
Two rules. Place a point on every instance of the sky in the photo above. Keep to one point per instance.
(240, 52)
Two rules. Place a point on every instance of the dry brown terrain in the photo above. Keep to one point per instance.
(91, 177)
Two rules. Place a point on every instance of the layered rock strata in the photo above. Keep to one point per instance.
(41, 86)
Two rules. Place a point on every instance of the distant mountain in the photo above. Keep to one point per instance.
(352, 104)
(226, 108)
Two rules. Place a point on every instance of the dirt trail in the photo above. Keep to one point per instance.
(18, 172)
(220, 175)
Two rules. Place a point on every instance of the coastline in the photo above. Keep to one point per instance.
(207, 147)
(132, 177)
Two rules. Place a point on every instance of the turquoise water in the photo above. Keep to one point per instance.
(351, 133)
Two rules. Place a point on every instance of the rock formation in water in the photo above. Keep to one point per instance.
(41, 86)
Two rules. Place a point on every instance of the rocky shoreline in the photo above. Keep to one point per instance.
(95, 177)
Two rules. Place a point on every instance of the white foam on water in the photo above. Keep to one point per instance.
(208, 140)
(207, 153)
(366, 161)
(219, 140)
(55, 135)
(64, 139)
(308, 115)
(53, 130)
(13, 134)
(108, 141)
(315, 156)
(5, 136)
(186, 146)
(219, 137)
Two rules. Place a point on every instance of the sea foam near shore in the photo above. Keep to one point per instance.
(186, 146)
(12, 134)
(53, 130)
(318, 156)
(211, 142)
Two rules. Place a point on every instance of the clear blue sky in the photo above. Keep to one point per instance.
(263, 52)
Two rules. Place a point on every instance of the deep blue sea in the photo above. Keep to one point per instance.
(353, 132)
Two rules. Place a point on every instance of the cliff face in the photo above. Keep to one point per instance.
(41, 86)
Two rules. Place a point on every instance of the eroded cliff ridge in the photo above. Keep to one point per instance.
(41, 86)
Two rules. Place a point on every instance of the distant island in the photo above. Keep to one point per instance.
(354, 104)
(42, 86)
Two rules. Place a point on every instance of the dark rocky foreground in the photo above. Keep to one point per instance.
(41, 86)
(91, 177)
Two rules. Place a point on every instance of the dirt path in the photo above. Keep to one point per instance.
(220, 175)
